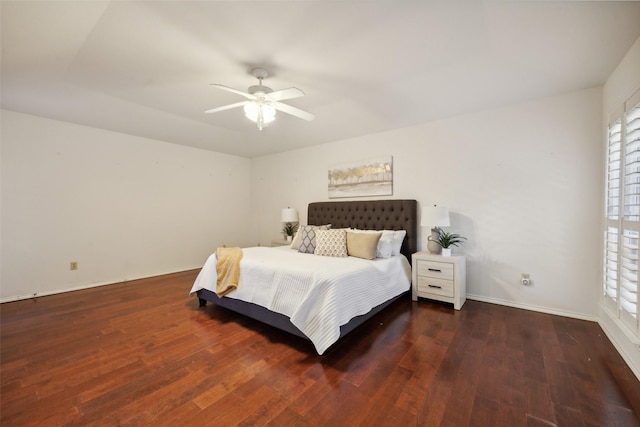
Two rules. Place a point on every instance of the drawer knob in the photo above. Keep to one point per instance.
(435, 286)
(436, 270)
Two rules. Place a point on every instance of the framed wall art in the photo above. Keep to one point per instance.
(372, 177)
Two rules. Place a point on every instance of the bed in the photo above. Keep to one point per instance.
(363, 215)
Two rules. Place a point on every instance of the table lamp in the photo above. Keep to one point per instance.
(289, 216)
(434, 217)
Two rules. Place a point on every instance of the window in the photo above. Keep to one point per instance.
(622, 212)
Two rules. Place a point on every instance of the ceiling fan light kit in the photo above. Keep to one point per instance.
(263, 102)
(260, 113)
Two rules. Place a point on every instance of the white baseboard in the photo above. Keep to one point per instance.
(627, 345)
(86, 286)
(530, 307)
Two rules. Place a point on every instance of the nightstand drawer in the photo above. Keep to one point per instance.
(428, 285)
(439, 270)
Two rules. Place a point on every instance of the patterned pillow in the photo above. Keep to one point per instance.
(308, 237)
(331, 242)
(297, 239)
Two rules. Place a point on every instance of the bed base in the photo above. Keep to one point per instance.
(281, 321)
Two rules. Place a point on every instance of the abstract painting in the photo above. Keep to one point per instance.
(373, 177)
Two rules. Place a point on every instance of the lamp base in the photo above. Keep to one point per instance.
(432, 245)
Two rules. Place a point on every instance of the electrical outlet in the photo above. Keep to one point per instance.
(73, 265)
(525, 280)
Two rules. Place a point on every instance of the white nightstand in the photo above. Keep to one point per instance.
(440, 278)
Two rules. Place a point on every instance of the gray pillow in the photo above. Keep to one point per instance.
(308, 237)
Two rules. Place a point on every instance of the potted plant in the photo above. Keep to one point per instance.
(447, 240)
(289, 230)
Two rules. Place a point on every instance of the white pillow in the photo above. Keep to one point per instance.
(398, 238)
(295, 242)
(385, 246)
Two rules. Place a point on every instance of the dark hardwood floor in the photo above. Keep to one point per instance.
(143, 353)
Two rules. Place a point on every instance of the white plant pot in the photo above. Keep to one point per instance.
(289, 238)
(446, 251)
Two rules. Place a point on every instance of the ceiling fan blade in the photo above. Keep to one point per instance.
(301, 114)
(236, 91)
(290, 93)
(226, 107)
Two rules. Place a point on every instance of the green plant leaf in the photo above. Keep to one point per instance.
(290, 229)
(446, 240)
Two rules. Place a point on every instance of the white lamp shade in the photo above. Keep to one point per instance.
(435, 216)
(289, 215)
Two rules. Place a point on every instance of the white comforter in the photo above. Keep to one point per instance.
(319, 294)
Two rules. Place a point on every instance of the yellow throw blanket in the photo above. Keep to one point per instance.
(228, 269)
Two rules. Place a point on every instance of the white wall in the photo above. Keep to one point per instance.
(621, 84)
(523, 185)
(123, 207)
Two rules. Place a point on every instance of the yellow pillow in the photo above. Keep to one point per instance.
(363, 245)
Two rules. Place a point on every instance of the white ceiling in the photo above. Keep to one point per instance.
(144, 67)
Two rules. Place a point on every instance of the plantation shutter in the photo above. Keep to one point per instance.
(622, 215)
(631, 220)
(611, 268)
(612, 212)
(614, 169)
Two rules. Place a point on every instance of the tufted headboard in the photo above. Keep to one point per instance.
(370, 215)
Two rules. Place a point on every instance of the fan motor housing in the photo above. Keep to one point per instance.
(260, 89)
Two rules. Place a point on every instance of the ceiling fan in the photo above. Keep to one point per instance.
(262, 102)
